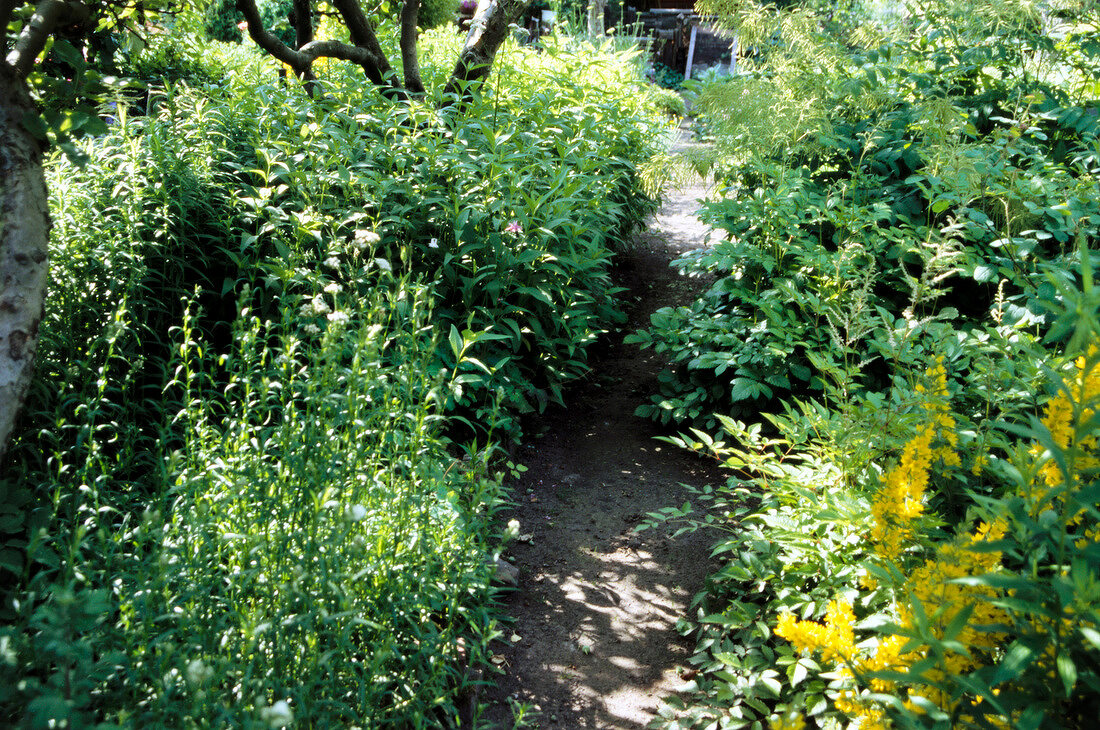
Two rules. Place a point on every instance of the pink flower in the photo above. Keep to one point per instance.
(513, 227)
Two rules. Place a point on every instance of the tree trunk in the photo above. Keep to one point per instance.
(301, 19)
(24, 238)
(488, 30)
(596, 9)
(410, 62)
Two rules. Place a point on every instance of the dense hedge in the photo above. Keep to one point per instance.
(233, 500)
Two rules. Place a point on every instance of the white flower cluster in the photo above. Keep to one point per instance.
(197, 673)
(364, 239)
(279, 715)
(315, 307)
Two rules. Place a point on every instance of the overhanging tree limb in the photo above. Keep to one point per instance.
(34, 36)
(488, 31)
(362, 35)
(366, 52)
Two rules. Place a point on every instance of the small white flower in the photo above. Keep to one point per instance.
(278, 715)
(332, 262)
(338, 318)
(364, 238)
(513, 529)
(197, 673)
(333, 288)
(312, 329)
(434, 243)
(356, 513)
(320, 306)
(383, 264)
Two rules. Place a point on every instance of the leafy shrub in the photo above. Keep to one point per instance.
(912, 551)
(867, 195)
(437, 13)
(667, 77)
(238, 502)
(669, 102)
(896, 611)
(183, 58)
(996, 620)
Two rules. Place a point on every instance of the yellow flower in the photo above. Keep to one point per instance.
(790, 721)
(835, 639)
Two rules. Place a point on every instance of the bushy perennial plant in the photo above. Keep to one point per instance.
(256, 477)
(893, 200)
(962, 619)
(919, 177)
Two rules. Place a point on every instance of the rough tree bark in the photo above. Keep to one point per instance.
(24, 217)
(410, 62)
(488, 30)
(301, 18)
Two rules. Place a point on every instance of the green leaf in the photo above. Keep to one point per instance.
(1067, 671)
(984, 273)
(1091, 635)
(1018, 658)
(455, 338)
(798, 673)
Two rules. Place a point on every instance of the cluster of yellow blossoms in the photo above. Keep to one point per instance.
(835, 639)
(930, 585)
(900, 501)
(1076, 403)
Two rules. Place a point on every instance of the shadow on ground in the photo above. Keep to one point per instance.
(594, 641)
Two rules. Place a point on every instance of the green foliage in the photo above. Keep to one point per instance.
(667, 77)
(984, 616)
(271, 323)
(180, 57)
(924, 180)
(222, 17)
(437, 13)
(919, 199)
(669, 102)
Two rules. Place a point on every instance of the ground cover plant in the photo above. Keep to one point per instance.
(254, 480)
(904, 285)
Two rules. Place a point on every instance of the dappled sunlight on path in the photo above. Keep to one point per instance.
(594, 643)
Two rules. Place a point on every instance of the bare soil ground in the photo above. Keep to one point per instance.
(594, 641)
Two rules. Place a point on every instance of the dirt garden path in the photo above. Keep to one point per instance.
(594, 643)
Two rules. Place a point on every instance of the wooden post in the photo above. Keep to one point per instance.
(691, 52)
